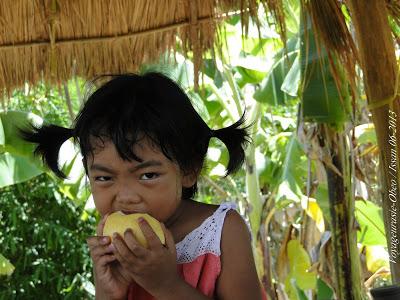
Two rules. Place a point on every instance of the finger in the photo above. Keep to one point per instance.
(122, 252)
(169, 239)
(93, 241)
(103, 263)
(101, 250)
(133, 245)
(104, 260)
(96, 251)
(100, 226)
(152, 239)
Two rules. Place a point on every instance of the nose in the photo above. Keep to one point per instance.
(127, 195)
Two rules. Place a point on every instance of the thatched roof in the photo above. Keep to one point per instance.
(56, 39)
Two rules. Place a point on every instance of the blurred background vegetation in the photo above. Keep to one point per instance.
(282, 190)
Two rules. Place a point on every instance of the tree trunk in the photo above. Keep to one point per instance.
(378, 60)
(341, 205)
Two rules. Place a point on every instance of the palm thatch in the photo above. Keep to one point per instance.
(56, 39)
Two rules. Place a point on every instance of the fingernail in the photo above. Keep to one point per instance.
(111, 248)
(105, 240)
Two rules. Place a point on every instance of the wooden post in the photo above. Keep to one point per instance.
(378, 62)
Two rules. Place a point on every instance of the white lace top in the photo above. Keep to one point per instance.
(204, 239)
(198, 256)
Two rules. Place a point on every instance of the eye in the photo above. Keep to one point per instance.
(149, 176)
(102, 178)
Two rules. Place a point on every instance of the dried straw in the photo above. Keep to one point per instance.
(51, 39)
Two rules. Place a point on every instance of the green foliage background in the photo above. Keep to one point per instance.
(44, 236)
(44, 223)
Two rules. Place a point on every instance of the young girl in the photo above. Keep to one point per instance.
(143, 148)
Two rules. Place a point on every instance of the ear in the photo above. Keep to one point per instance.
(188, 180)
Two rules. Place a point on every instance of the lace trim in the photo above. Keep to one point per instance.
(204, 239)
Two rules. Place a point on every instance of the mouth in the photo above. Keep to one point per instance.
(129, 212)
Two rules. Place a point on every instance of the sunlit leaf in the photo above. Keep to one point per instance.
(292, 15)
(249, 76)
(291, 82)
(369, 216)
(289, 187)
(376, 257)
(365, 133)
(299, 274)
(300, 264)
(211, 70)
(15, 168)
(270, 88)
(313, 210)
(6, 268)
(11, 121)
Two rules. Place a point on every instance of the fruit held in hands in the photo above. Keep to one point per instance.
(119, 222)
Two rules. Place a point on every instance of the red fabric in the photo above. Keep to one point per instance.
(202, 274)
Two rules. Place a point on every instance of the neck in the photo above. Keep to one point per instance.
(177, 214)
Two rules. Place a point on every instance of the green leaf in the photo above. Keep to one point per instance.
(211, 70)
(270, 89)
(291, 83)
(252, 69)
(321, 100)
(291, 179)
(249, 76)
(15, 169)
(298, 279)
(11, 121)
(322, 197)
(300, 293)
(369, 216)
(324, 292)
(6, 268)
(292, 15)
(290, 289)
(299, 265)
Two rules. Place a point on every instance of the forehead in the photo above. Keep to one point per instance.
(144, 149)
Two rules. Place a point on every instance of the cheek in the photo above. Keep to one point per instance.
(101, 201)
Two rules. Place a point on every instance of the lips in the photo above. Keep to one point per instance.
(129, 212)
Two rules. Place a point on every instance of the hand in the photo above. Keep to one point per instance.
(111, 279)
(154, 269)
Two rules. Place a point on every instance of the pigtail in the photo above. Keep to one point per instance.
(49, 139)
(235, 138)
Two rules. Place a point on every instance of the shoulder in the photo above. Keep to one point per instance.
(238, 278)
(234, 225)
(235, 237)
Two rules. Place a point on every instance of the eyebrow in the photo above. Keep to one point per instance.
(149, 163)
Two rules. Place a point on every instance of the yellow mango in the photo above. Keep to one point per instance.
(119, 222)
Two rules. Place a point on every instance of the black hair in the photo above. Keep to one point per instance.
(129, 107)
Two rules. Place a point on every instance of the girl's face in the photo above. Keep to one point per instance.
(153, 186)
